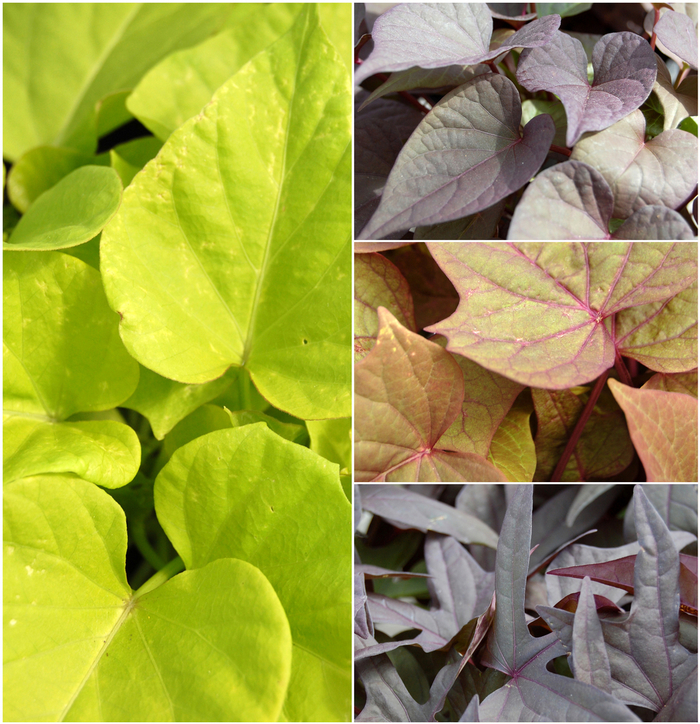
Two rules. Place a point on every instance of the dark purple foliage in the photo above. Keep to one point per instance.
(481, 654)
(498, 110)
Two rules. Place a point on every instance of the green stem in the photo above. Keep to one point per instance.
(244, 389)
(578, 429)
(164, 574)
(138, 535)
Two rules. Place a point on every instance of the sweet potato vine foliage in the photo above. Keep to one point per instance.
(177, 362)
(504, 603)
(531, 361)
(526, 121)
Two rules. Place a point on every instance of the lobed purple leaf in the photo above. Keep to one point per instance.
(533, 693)
(464, 156)
(624, 72)
(572, 200)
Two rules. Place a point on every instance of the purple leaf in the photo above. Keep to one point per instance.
(679, 34)
(559, 587)
(624, 72)
(662, 171)
(380, 134)
(664, 429)
(541, 314)
(452, 75)
(408, 392)
(465, 155)
(619, 573)
(648, 665)
(433, 35)
(574, 201)
(409, 510)
(533, 693)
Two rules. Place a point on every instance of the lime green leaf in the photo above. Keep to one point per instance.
(332, 440)
(129, 158)
(105, 452)
(165, 402)
(62, 355)
(184, 82)
(209, 645)
(249, 494)
(70, 213)
(232, 247)
(62, 58)
(43, 167)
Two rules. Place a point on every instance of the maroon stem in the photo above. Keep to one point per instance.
(578, 429)
(622, 370)
(560, 149)
(682, 75)
(493, 67)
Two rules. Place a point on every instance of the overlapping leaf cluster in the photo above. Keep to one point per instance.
(518, 328)
(454, 118)
(469, 648)
(177, 332)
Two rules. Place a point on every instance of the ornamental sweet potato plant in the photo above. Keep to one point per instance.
(526, 362)
(526, 121)
(500, 603)
(177, 362)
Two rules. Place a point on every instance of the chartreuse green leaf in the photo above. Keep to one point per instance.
(43, 167)
(211, 644)
(62, 58)
(247, 493)
(184, 82)
(72, 212)
(232, 246)
(62, 355)
(332, 440)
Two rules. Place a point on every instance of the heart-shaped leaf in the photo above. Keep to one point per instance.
(572, 200)
(541, 313)
(231, 494)
(408, 392)
(663, 170)
(61, 356)
(664, 429)
(249, 196)
(433, 35)
(80, 645)
(465, 155)
(624, 71)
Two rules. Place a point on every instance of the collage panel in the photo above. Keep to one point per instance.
(526, 121)
(177, 288)
(506, 603)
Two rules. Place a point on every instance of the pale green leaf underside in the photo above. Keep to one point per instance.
(249, 494)
(233, 246)
(210, 644)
